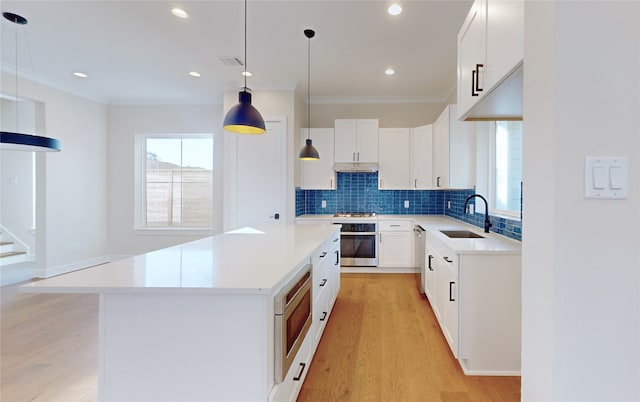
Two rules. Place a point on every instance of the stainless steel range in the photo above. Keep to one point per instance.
(358, 239)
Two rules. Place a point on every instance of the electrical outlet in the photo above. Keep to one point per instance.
(406, 203)
(324, 203)
(448, 204)
(471, 208)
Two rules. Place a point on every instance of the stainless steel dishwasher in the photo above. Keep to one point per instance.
(419, 245)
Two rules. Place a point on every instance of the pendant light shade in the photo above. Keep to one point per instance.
(17, 141)
(308, 152)
(243, 118)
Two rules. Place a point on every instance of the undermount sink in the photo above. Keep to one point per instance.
(461, 234)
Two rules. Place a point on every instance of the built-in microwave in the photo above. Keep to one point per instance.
(292, 320)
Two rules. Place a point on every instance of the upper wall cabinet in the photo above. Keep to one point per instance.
(490, 60)
(406, 156)
(319, 175)
(422, 157)
(356, 140)
(395, 159)
(453, 151)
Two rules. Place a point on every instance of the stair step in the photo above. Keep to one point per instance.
(11, 253)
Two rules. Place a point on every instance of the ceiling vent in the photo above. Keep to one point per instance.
(231, 61)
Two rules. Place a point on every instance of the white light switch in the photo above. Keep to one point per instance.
(324, 203)
(406, 203)
(606, 177)
(599, 177)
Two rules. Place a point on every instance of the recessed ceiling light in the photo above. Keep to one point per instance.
(394, 9)
(389, 71)
(194, 74)
(247, 73)
(180, 13)
(79, 74)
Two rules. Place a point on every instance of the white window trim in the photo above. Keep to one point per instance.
(493, 211)
(485, 171)
(140, 183)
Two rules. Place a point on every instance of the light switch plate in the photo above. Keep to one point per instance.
(406, 203)
(324, 203)
(606, 177)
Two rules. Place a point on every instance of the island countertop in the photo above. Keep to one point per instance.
(255, 261)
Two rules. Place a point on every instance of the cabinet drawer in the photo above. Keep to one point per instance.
(394, 226)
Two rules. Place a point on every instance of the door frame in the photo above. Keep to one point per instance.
(230, 188)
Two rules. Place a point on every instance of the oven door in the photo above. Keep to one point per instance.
(358, 249)
(292, 323)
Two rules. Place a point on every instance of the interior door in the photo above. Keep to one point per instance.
(261, 176)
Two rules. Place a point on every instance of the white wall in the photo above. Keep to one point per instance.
(581, 257)
(268, 103)
(390, 115)
(72, 222)
(124, 123)
(16, 176)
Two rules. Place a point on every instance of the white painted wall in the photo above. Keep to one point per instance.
(124, 123)
(581, 257)
(16, 177)
(268, 103)
(72, 223)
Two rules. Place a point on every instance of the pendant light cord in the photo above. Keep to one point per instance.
(245, 45)
(309, 89)
(15, 21)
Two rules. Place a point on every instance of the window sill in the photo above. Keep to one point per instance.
(506, 216)
(173, 231)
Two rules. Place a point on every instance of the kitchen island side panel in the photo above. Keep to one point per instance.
(165, 347)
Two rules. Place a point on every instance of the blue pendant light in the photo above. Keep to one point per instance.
(18, 141)
(243, 118)
(308, 152)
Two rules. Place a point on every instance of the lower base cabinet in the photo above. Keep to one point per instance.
(288, 390)
(324, 291)
(476, 299)
(395, 239)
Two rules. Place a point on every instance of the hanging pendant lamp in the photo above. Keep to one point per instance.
(243, 118)
(308, 152)
(18, 141)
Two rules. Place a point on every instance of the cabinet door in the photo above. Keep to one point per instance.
(505, 39)
(461, 164)
(396, 249)
(319, 175)
(422, 157)
(367, 141)
(395, 166)
(472, 47)
(345, 140)
(449, 286)
(441, 150)
(430, 278)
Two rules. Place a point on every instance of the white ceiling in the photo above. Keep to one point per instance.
(137, 52)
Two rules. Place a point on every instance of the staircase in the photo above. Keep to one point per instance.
(9, 256)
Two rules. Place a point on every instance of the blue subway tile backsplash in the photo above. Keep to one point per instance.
(358, 192)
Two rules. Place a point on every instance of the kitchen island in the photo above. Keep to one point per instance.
(195, 322)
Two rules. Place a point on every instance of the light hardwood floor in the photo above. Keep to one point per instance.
(382, 343)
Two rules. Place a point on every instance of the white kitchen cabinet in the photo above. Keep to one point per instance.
(289, 388)
(490, 58)
(395, 159)
(319, 174)
(453, 151)
(325, 284)
(356, 141)
(421, 144)
(395, 239)
(476, 299)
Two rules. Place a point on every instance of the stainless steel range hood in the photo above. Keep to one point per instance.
(355, 167)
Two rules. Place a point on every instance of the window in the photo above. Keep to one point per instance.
(175, 181)
(506, 170)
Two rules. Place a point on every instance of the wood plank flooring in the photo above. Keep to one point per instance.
(382, 343)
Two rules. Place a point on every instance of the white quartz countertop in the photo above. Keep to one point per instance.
(229, 263)
(491, 243)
